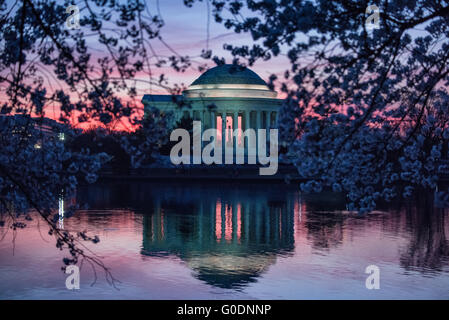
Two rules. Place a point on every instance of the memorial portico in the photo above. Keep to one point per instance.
(226, 97)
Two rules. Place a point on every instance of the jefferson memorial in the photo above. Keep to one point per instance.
(226, 97)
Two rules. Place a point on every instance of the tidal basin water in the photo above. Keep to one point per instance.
(227, 241)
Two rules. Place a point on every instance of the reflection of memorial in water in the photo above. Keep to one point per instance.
(228, 239)
(229, 235)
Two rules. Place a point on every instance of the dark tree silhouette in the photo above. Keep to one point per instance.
(366, 110)
(79, 76)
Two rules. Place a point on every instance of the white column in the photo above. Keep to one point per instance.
(223, 128)
(235, 125)
(247, 126)
(196, 135)
(235, 121)
(212, 119)
(203, 126)
(268, 113)
(227, 150)
(247, 119)
(268, 118)
(259, 126)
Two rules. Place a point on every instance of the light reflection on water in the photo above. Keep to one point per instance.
(199, 241)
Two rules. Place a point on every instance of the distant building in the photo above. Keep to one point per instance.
(26, 126)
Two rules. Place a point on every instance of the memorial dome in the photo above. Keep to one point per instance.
(229, 74)
(229, 81)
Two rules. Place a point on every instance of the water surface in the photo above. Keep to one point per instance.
(225, 241)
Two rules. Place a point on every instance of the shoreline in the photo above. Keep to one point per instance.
(224, 172)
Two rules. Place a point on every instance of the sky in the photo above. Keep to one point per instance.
(186, 31)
